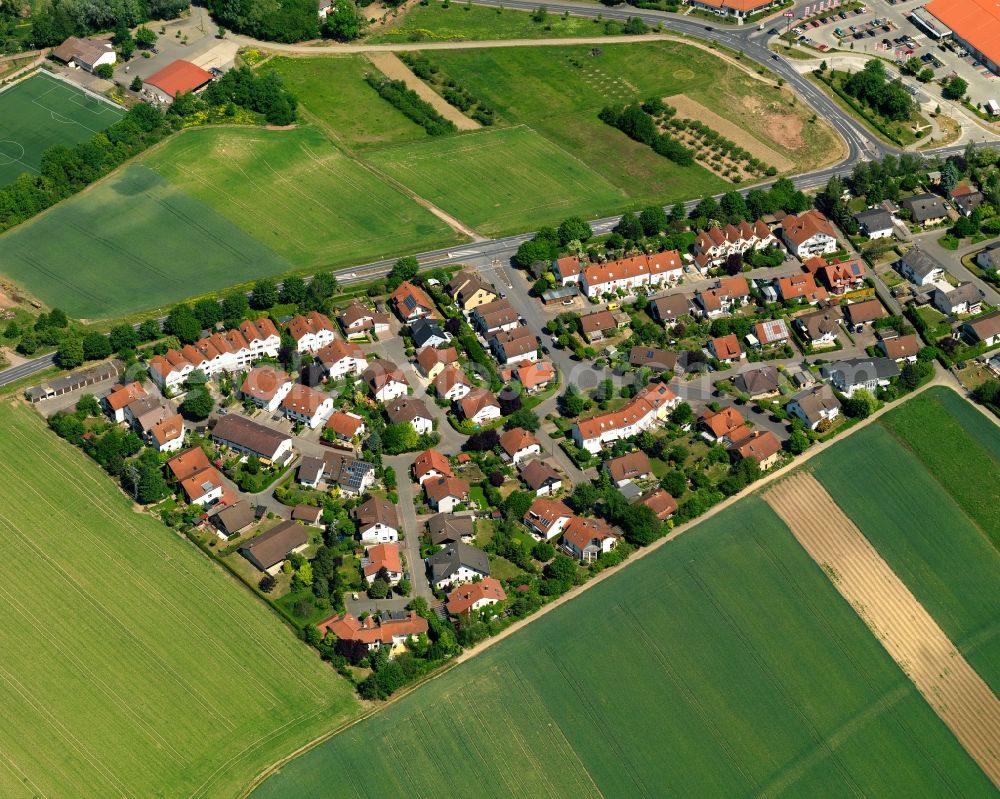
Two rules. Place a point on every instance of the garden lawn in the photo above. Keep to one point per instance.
(333, 90)
(299, 195)
(41, 112)
(454, 22)
(132, 242)
(500, 180)
(133, 665)
(723, 664)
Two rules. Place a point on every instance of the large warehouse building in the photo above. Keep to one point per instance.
(975, 24)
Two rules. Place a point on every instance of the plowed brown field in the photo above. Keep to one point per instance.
(914, 640)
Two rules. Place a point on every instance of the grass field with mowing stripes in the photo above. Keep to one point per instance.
(131, 243)
(724, 664)
(133, 666)
(501, 180)
(40, 112)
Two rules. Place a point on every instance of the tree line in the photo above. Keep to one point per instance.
(53, 21)
(410, 104)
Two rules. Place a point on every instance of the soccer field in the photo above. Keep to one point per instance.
(500, 180)
(131, 243)
(40, 112)
(133, 666)
(723, 664)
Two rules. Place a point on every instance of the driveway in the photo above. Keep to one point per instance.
(952, 260)
(412, 524)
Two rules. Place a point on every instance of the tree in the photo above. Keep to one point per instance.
(145, 38)
(674, 483)
(149, 330)
(534, 251)
(96, 346)
(653, 220)
(572, 403)
(682, 415)
(28, 343)
(123, 337)
(629, 228)
(88, 405)
(517, 503)
(734, 206)
(142, 478)
(264, 294)
(483, 441)
(564, 569)
(344, 22)
(70, 353)
(706, 209)
(543, 551)
(235, 307)
(523, 418)
(584, 497)
(105, 71)
(798, 442)
(861, 404)
(293, 290)
(404, 269)
(678, 213)
(926, 75)
(397, 438)
(136, 84)
(197, 405)
(956, 88)
(182, 323)
(573, 229)
(208, 313)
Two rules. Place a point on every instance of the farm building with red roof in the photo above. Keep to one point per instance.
(176, 78)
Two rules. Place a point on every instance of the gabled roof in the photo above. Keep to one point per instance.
(346, 471)
(313, 322)
(380, 372)
(726, 347)
(85, 51)
(381, 629)
(170, 429)
(409, 298)
(439, 488)
(920, 263)
(653, 357)
(581, 532)
(762, 380)
(597, 321)
(672, 306)
(537, 473)
(304, 400)
(963, 293)
(337, 350)
(431, 460)
(423, 330)
(802, 285)
(249, 435)
(628, 467)
(446, 528)
(382, 556)
(179, 76)
(924, 207)
(124, 395)
(543, 513)
(813, 401)
(477, 399)
(660, 502)
(345, 425)
(188, 463)
(722, 422)
(760, 445)
(875, 219)
(450, 377)
(376, 511)
(465, 596)
(406, 409)
(771, 331)
(447, 561)
(516, 439)
(535, 374)
(263, 382)
(428, 357)
(865, 311)
(799, 228)
(985, 326)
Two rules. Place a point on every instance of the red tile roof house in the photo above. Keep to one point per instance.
(809, 233)
(514, 346)
(168, 435)
(546, 518)
(900, 348)
(540, 477)
(479, 406)
(649, 407)
(345, 425)
(771, 332)
(431, 464)
(266, 387)
(445, 493)
(801, 287)
(200, 480)
(595, 325)
(519, 444)
(121, 396)
(841, 277)
(716, 244)
(452, 384)
(388, 630)
(728, 294)
(719, 425)
(382, 556)
(307, 405)
(474, 596)
(587, 539)
(726, 349)
(385, 380)
(312, 332)
(432, 361)
(411, 302)
(628, 274)
(359, 320)
(341, 358)
(269, 551)
(660, 502)
(625, 469)
(763, 446)
(176, 78)
(493, 316)
(536, 376)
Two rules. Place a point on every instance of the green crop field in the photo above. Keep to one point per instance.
(40, 112)
(297, 194)
(452, 22)
(499, 181)
(333, 91)
(723, 664)
(924, 535)
(131, 243)
(133, 666)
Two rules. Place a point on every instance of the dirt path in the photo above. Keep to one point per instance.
(914, 640)
(691, 109)
(390, 66)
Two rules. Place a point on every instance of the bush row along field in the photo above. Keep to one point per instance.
(925, 537)
(40, 112)
(132, 665)
(723, 664)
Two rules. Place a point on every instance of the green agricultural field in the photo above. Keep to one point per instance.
(723, 664)
(133, 666)
(454, 22)
(333, 91)
(298, 195)
(560, 89)
(131, 243)
(40, 112)
(924, 535)
(500, 181)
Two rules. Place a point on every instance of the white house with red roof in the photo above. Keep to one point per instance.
(587, 539)
(629, 274)
(651, 406)
(307, 405)
(471, 597)
(342, 358)
(266, 387)
(382, 556)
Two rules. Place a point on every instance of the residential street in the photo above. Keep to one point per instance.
(952, 261)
